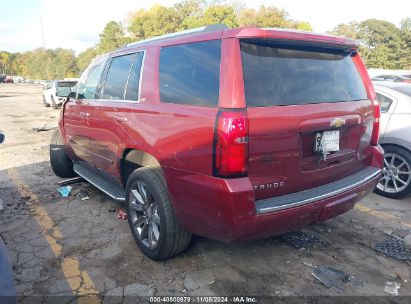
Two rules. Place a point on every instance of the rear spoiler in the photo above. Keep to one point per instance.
(292, 38)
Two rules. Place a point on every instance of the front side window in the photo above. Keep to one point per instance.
(117, 76)
(277, 75)
(190, 73)
(385, 102)
(87, 85)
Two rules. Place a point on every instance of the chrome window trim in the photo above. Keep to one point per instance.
(131, 67)
(268, 209)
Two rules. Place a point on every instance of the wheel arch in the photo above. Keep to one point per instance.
(133, 159)
(395, 145)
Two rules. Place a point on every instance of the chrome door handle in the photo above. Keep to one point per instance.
(84, 114)
(121, 119)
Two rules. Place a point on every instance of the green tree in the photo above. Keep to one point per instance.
(304, 26)
(220, 14)
(85, 57)
(347, 30)
(111, 38)
(5, 63)
(269, 16)
(406, 24)
(382, 44)
(158, 20)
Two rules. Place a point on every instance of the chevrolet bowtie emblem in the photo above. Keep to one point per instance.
(338, 122)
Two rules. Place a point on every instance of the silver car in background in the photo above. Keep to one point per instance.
(395, 137)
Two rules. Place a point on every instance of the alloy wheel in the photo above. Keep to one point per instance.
(144, 214)
(396, 174)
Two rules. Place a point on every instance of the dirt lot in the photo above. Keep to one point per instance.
(69, 247)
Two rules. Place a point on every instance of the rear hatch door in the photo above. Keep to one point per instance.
(310, 120)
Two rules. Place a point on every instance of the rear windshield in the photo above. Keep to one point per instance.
(405, 89)
(66, 83)
(275, 75)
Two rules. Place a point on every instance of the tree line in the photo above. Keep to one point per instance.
(383, 44)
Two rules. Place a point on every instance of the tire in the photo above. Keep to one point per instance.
(53, 103)
(171, 238)
(393, 184)
(45, 102)
(60, 163)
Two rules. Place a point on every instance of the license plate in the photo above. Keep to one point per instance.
(328, 141)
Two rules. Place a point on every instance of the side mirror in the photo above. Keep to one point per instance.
(71, 95)
(2, 137)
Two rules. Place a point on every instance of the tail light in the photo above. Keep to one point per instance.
(376, 126)
(231, 144)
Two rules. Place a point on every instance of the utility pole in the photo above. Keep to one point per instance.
(42, 31)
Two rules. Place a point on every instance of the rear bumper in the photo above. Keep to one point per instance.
(318, 193)
(225, 209)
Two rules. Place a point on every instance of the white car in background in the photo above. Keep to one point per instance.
(49, 93)
(395, 138)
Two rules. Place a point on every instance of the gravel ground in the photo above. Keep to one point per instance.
(68, 247)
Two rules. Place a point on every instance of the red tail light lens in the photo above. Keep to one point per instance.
(376, 126)
(231, 144)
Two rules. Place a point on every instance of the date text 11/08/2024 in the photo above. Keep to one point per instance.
(203, 299)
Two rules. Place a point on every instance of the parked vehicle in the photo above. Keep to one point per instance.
(2, 77)
(393, 78)
(395, 137)
(49, 92)
(231, 134)
(8, 79)
(7, 288)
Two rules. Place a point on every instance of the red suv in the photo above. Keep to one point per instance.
(231, 134)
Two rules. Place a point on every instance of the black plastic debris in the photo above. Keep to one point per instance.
(394, 247)
(83, 195)
(331, 277)
(44, 128)
(300, 239)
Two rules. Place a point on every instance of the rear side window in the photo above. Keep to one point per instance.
(385, 102)
(276, 76)
(190, 73)
(117, 76)
(133, 84)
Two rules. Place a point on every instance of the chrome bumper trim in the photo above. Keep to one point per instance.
(318, 193)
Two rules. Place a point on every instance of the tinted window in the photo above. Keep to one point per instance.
(87, 85)
(134, 79)
(117, 76)
(190, 73)
(404, 89)
(384, 101)
(287, 76)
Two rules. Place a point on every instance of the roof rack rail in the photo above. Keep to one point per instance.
(203, 29)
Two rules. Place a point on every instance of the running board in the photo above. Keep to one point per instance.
(98, 180)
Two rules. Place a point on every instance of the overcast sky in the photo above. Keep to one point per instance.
(76, 24)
